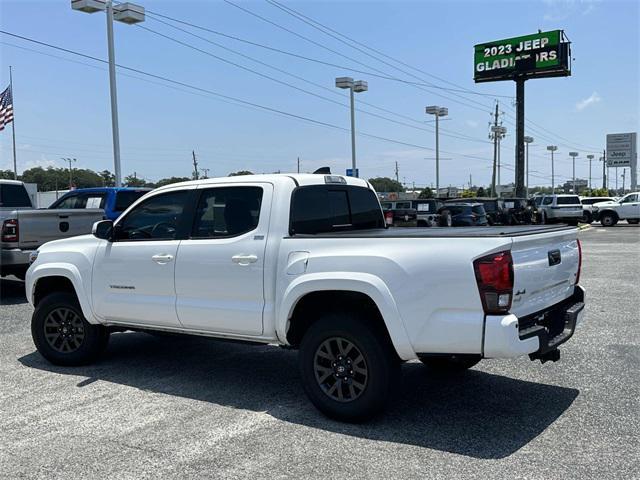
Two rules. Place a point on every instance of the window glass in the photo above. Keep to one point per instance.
(339, 208)
(547, 201)
(94, 201)
(14, 195)
(478, 209)
(568, 200)
(227, 211)
(403, 204)
(456, 210)
(386, 205)
(489, 206)
(629, 199)
(155, 219)
(321, 208)
(125, 198)
(69, 201)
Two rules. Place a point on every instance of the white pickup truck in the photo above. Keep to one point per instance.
(304, 262)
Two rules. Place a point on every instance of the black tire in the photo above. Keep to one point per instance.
(633, 221)
(61, 333)
(587, 217)
(543, 218)
(573, 223)
(608, 219)
(363, 394)
(445, 219)
(451, 364)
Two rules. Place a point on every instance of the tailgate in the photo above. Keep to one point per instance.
(40, 226)
(545, 267)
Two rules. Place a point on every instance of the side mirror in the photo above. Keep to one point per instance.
(103, 230)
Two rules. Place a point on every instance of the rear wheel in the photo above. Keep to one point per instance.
(445, 219)
(348, 369)
(452, 363)
(61, 333)
(587, 217)
(608, 219)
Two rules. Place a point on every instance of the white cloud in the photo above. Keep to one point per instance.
(592, 99)
(471, 123)
(558, 10)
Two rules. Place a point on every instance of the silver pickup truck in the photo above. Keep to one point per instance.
(24, 229)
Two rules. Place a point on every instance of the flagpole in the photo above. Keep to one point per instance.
(13, 128)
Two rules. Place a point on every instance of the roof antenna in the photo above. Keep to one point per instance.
(323, 171)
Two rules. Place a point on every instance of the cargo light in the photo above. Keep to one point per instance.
(10, 230)
(494, 275)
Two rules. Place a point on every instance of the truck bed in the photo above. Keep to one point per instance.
(443, 232)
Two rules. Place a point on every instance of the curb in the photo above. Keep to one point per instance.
(584, 227)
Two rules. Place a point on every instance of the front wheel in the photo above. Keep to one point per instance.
(587, 217)
(61, 333)
(608, 220)
(348, 368)
(451, 363)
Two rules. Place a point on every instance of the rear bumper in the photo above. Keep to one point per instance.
(14, 260)
(535, 335)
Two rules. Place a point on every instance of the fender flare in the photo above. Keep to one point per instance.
(66, 270)
(364, 283)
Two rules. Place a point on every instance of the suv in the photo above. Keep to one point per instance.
(560, 209)
(426, 210)
(627, 208)
(463, 215)
(496, 210)
(587, 206)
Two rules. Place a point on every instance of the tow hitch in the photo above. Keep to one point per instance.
(550, 356)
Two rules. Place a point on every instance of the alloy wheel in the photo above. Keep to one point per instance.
(340, 369)
(64, 330)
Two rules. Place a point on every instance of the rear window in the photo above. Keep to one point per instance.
(568, 201)
(13, 195)
(125, 198)
(489, 206)
(478, 209)
(322, 208)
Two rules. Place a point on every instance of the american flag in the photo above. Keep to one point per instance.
(6, 107)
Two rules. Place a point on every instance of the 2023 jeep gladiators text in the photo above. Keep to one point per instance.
(305, 261)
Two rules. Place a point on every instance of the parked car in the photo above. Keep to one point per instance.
(519, 211)
(23, 229)
(560, 209)
(113, 200)
(587, 206)
(495, 209)
(304, 261)
(611, 212)
(427, 211)
(463, 215)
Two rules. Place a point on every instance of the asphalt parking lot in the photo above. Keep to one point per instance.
(177, 407)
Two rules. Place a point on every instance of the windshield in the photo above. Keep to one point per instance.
(568, 200)
(14, 195)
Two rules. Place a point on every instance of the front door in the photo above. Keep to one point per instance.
(133, 276)
(220, 268)
(630, 206)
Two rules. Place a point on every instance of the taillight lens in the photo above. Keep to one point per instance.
(579, 261)
(10, 231)
(494, 275)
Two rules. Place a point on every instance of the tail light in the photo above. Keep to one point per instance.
(10, 230)
(579, 261)
(494, 275)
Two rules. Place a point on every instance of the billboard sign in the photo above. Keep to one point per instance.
(543, 54)
(621, 149)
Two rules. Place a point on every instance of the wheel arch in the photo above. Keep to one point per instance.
(313, 294)
(59, 278)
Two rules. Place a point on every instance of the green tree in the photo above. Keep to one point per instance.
(241, 172)
(108, 178)
(134, 181)
(468, 194)
(6, 175)
(426, 193)
(386, 184)
(168, 181)
(480, 192)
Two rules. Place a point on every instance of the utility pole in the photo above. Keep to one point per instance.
(13, 126)
(573, 155)
(624, 174)
(520, 189)
(298, 164)
(604, 169)
(495, 151)
(195, 166)
(70, 160)
(552, 148)
(590, 157)
(397, 180)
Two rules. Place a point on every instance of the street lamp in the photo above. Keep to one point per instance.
(437, 112)
(70, 160)
(590, 157)
(527, 141)
(498, 132)
(356, 86)
(573, 155)
(128, 13)
(552, 148)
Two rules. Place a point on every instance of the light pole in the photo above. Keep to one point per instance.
(552, 148)
(356, 86)
(590, 157)
(70, 160)
(126, 13)
(527, 141)
(573, 155)
(498, 132)
(437, 112)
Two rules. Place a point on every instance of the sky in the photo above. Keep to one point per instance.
(62, 106)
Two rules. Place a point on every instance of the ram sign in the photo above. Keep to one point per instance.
(621, 149)
(544, 54)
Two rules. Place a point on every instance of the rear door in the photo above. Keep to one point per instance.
(545, 267)
(220, 268)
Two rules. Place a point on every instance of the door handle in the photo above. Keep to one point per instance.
(162, 258)
(244, 259)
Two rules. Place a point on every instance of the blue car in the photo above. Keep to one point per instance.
(114, 200)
